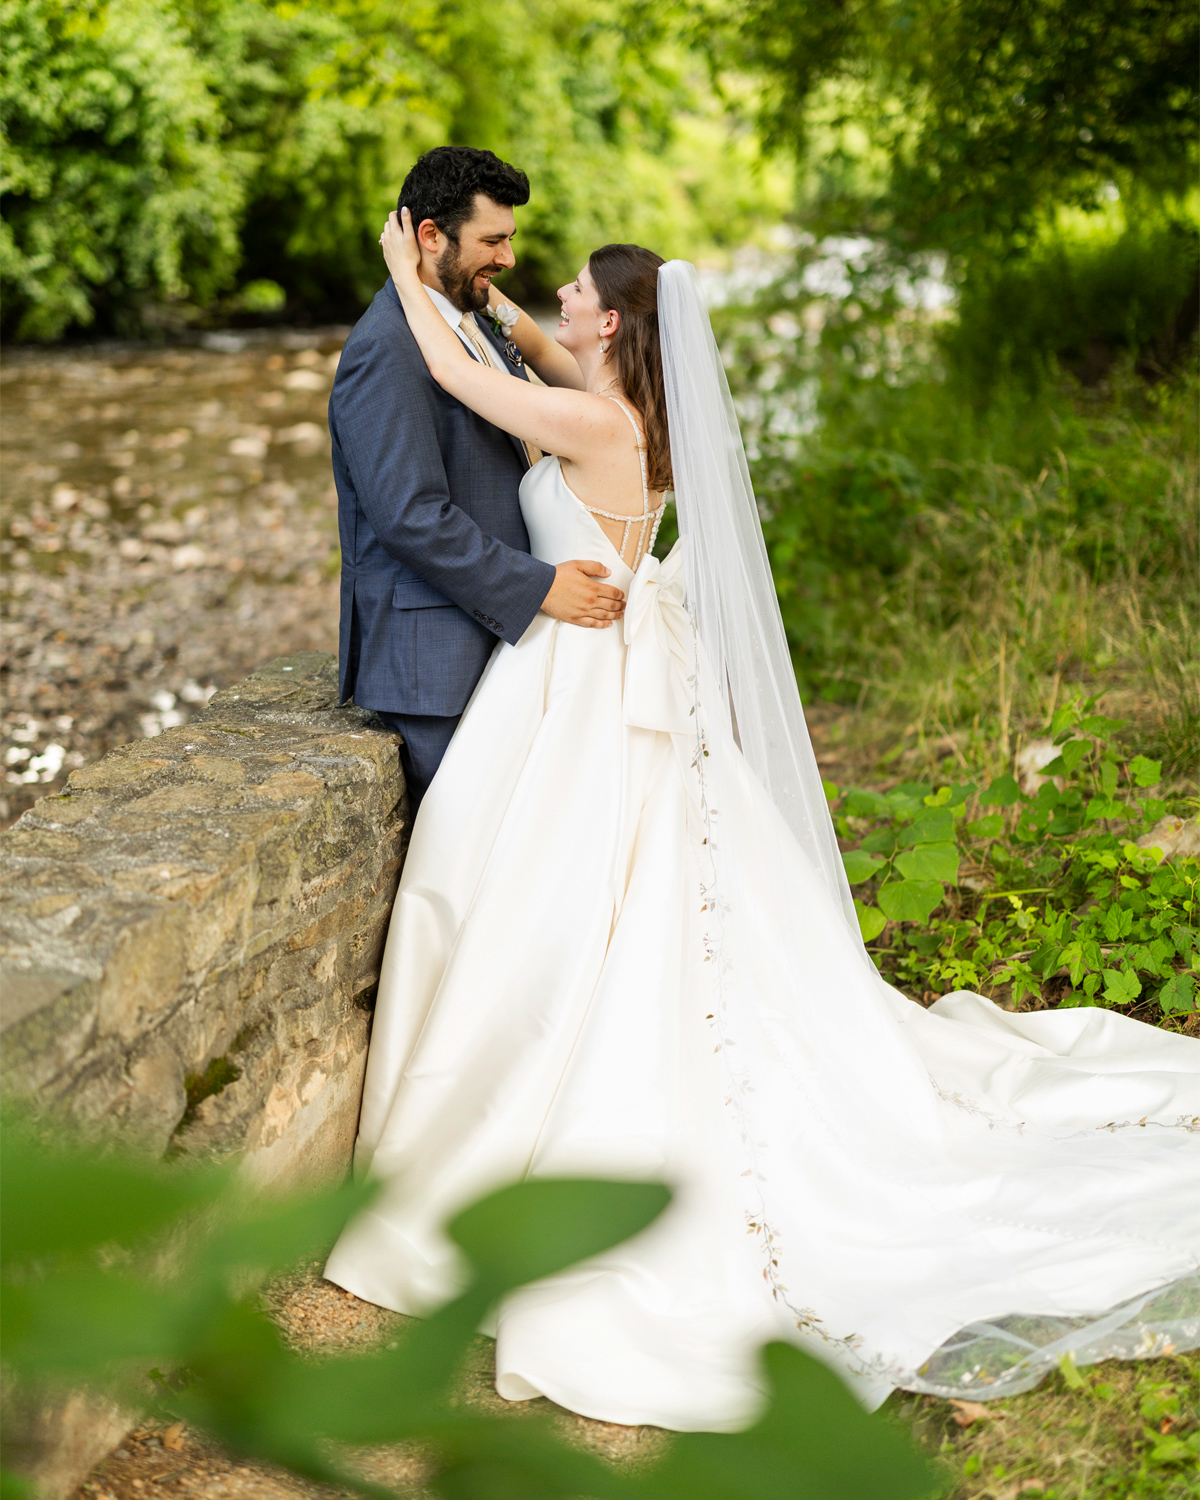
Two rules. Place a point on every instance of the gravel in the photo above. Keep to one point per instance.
(169, 523)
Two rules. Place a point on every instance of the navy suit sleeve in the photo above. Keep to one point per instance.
(385, 425)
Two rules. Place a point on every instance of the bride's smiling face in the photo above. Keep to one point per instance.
(583, 324)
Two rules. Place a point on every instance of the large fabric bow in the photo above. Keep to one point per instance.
(658, 633)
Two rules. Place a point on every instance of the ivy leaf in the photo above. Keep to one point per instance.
(883, 842)
(1072, 957)
(1104, 807)
(1046, 959)
(1185, 940)
(1003, 792)
(910, 900)
(1100, 726)
(1121, 987)
(860, 866)
(1072, 753)
(871, 921)
(860, 804)
(990, 827)
(930, 862)
(1145, 772)
(934, 826)
(1118, 923)
(1063, 720)
(1178, 995)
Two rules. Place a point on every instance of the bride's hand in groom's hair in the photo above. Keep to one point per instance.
(577, 596)
(401, 248)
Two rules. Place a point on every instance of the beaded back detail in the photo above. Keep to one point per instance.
(649, 519)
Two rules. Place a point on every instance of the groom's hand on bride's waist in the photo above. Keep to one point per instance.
(578, 596)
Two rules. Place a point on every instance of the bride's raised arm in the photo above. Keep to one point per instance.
(549, 361)
(573, 424)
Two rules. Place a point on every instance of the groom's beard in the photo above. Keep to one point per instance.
(458, 284)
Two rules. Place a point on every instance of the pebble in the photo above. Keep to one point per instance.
(170, 524)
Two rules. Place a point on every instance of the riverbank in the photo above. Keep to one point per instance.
(170, 524)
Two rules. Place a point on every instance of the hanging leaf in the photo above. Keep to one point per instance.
(529, 1231)
(1003, 792)
(59, 1198)
(1145, 772)
(910, 900)
(871, 921)
(1178, 995)
(861, 866)
(815, 1441)
(935, 826)
(930, 862)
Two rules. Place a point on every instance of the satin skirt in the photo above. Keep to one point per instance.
(582, 979)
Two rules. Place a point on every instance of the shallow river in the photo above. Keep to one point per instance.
(169, 524)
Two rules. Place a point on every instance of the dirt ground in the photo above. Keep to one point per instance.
(316, 1317)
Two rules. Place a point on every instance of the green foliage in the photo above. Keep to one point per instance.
(957, 123)
(1060, 906)
(1083, 295)
(156, 152)
(1133, 1427)
(133, 1279)
(947, 536)
(116, 186)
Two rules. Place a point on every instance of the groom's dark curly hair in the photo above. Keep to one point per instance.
(443, 184)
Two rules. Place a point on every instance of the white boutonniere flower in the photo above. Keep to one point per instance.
(504, 318)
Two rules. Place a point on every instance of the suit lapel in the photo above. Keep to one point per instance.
(488, 333)
(497, 343)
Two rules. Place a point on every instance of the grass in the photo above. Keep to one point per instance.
(1013, 585)
(982, 635)
(1118, 1436)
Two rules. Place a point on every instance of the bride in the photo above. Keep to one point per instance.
(623, 946)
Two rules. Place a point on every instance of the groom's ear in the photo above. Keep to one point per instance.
(429, 237)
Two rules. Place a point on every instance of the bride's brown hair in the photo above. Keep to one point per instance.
(626, 278)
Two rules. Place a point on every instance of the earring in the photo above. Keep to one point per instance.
(603, 346)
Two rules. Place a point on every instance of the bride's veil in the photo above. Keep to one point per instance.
(730, 592)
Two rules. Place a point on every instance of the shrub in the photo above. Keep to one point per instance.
(118, 195)
(1049, 898)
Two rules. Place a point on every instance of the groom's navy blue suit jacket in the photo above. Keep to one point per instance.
(435, 555)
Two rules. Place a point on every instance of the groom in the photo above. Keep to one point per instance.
(435, 555)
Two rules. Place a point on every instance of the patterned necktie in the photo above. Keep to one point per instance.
(470, 331)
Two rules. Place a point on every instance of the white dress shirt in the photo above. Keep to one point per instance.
(453, 317)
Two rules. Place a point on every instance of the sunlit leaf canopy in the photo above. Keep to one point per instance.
(160, 156)
(951, 122)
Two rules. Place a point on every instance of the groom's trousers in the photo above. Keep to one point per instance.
(425, 739)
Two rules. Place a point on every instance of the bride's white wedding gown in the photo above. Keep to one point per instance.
(572, 986)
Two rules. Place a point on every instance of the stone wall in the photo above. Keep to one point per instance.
(190, 933)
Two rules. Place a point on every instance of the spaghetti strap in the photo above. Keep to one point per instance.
(647, 516)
